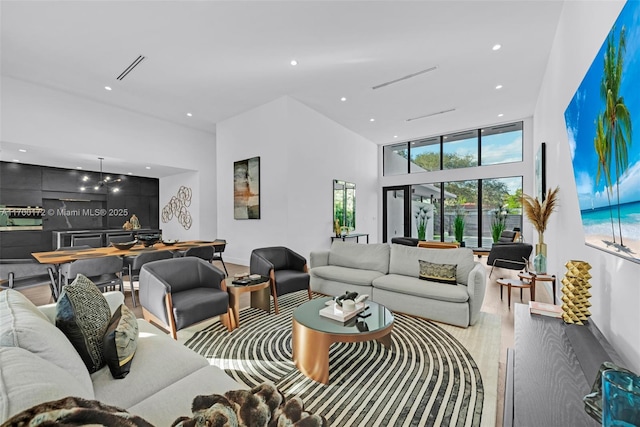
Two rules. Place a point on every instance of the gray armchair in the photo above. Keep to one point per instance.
(180, 292)
(133, 264)
(286, 270)
(513, 256)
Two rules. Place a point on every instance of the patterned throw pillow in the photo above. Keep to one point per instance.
(83, 314)
(442, 273)
(120, 341)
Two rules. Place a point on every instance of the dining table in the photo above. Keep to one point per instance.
(62, 256)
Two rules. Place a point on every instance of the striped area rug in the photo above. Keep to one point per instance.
(427, 378)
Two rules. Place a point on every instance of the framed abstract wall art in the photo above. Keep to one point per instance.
(246, 189)
(602, 120)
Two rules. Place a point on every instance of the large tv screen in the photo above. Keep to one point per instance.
(602, 120)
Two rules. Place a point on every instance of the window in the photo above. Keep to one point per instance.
(461, 206)
(496, 145)
(425, 155)
(501, 144)
(395, 159)
(460, 150)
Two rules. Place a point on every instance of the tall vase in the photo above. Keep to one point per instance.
(540, 260)
(576, 292)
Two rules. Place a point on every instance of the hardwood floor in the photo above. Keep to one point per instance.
(492, 304)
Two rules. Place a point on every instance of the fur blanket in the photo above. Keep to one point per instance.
(74, 411)
(262, 406)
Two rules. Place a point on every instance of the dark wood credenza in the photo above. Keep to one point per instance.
(550, 369)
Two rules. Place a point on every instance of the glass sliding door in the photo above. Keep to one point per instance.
(395, 213)
(425, 211)
(501, 207)
(461, 212)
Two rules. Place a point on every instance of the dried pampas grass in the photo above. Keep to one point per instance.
(539, 213)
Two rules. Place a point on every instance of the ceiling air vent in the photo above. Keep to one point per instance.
(405, 77)
(130, 68)
(430, 115)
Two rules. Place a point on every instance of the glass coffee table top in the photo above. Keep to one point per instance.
(308, 315)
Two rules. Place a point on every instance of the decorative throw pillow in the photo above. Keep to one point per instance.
(83, 314)
(120, 341)
(442, 273)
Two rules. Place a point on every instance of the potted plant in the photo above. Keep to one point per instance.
(458, 227)
(498, 224)
(538, 214)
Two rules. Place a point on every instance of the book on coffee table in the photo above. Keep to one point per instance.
(335, 312)
(545, 309)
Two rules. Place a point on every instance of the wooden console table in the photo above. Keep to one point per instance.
(550, 370)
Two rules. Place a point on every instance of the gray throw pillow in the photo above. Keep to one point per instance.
(83, 314)
(441, 273)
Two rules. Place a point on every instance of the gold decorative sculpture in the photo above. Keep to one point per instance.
(576, 292)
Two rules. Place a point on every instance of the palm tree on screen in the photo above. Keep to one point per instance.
(603, 151)
(617, 123)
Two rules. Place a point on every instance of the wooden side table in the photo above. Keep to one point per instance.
(529, 277)
(513, 283)
(260, 298)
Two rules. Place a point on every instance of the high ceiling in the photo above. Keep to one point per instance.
(216, 59)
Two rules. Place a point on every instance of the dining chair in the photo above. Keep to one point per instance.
(105, 272)
(204, 252)
(218, 249)
(133, 263)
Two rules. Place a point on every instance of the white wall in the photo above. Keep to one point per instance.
(301, 153)
(616, 288)
(42, 117)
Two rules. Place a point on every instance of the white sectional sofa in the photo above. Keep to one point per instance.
(39, 364)
(390, 275)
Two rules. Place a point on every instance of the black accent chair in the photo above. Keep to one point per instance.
(181, 292)
(512, 256)
(133, 264)
(407, 241)
(286, 270)
(217, 253)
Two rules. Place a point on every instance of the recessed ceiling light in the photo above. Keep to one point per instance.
(83, 188)
(499, 87)
(496, 46)
(500, 115)
(395, 136)
(22, 150)
(189, 114)
(372, 119)
(107, 87)
(147, 167)
(293, 62)
(78, 167)
(15, 161)
(129, 173)
(343, 99)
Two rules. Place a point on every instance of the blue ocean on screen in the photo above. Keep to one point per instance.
(598, 221)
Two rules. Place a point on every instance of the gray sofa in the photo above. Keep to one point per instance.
(39, 364)
(389, 274)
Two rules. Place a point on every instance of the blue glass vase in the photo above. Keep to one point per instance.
(620, 399)
(540, 260)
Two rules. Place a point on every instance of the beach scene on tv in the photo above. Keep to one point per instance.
(602, 120)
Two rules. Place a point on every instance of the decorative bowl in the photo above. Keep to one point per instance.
(149, 240)
(123, 246)
(170, 242)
